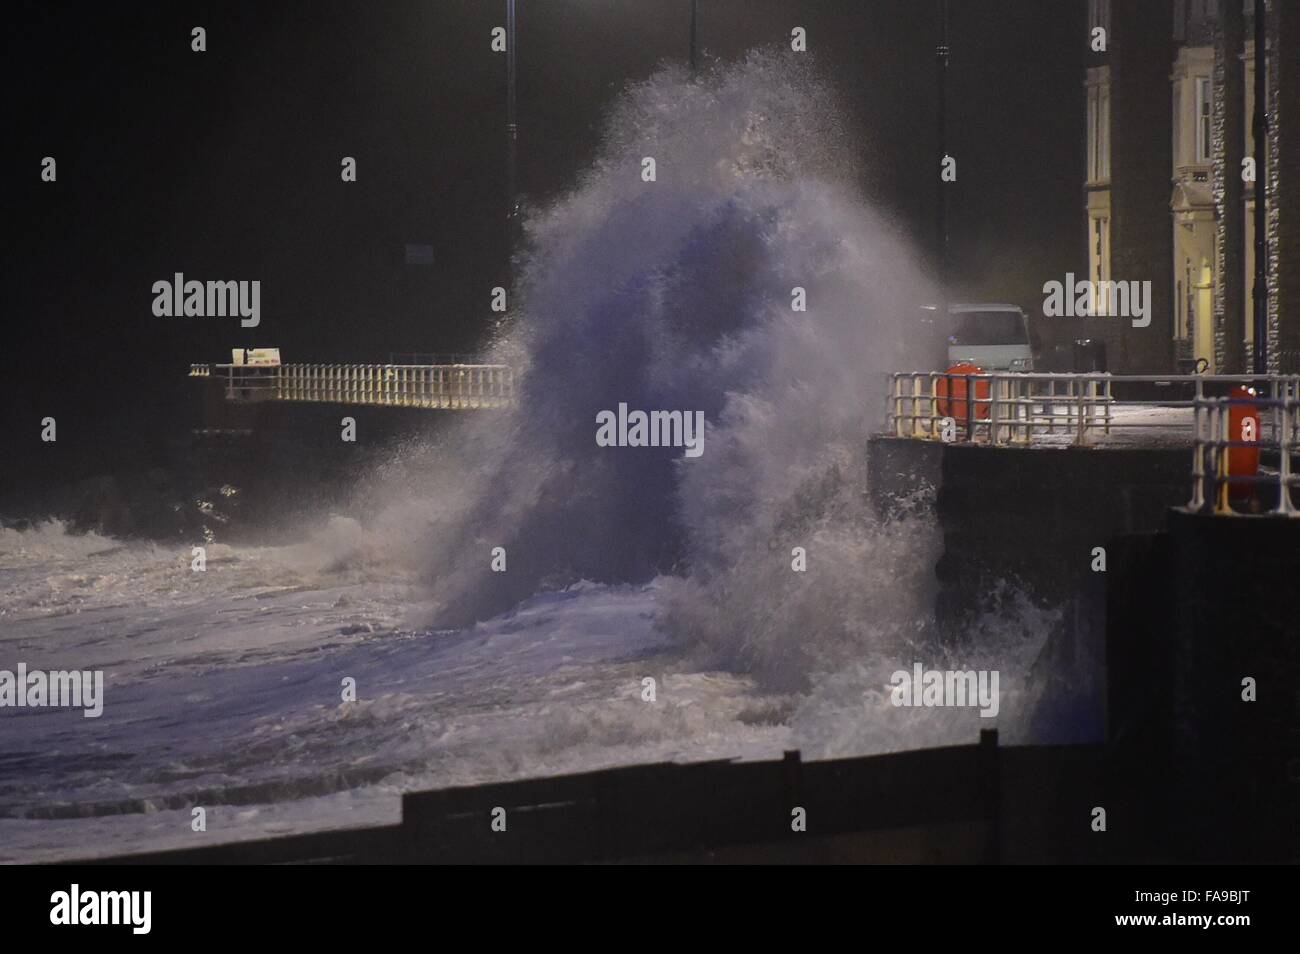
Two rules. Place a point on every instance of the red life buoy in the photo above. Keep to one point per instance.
(954, 386)
(1243, 426)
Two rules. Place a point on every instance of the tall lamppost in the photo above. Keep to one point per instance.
(941, 62)
(1261, 192)
(512, 126)
(694, 18)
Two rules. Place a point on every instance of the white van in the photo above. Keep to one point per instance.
(993, 336)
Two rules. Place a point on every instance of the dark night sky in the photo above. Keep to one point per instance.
(225, 164)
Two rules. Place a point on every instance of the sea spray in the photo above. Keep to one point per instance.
(677, 294)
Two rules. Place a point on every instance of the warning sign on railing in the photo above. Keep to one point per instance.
(255, 357)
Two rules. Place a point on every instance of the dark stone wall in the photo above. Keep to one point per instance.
(1191, 612)
(1026, 516)
(1189, 605)
(1032, 516)
(1022, 523)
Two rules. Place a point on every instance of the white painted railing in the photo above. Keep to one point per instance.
(1052, 409)
(435, 387)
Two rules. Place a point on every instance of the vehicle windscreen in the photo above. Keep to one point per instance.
(987, 328)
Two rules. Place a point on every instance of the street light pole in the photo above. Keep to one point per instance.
(694, 17)
(512, 127)
(941, 61)
(1261, 192)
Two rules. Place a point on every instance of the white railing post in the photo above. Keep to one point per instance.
(893, 406)
(914, 403)
(1285, 508)
(1223, 486)
(1197, 503)
(1080, 437)
(995, 394)
(1109, 401)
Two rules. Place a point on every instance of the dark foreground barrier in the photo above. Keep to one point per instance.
(965, 804)
(975, 804)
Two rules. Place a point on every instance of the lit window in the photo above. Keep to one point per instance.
(1204, 111)
(1098, 132)
(1099, 260)
(1103, 132)
(1092, 134)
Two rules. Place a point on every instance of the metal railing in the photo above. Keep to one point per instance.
(1218, 435)
(433, 357)
(435, 387)
(1013, 409)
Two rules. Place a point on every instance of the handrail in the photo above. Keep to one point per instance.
(1021, 409)
(445, 387)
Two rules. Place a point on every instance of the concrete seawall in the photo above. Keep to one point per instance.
(1026, 516)
(1203, 657)
(1187, 608)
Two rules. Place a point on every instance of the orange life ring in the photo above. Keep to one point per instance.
(953, 385)
(1243, 425)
